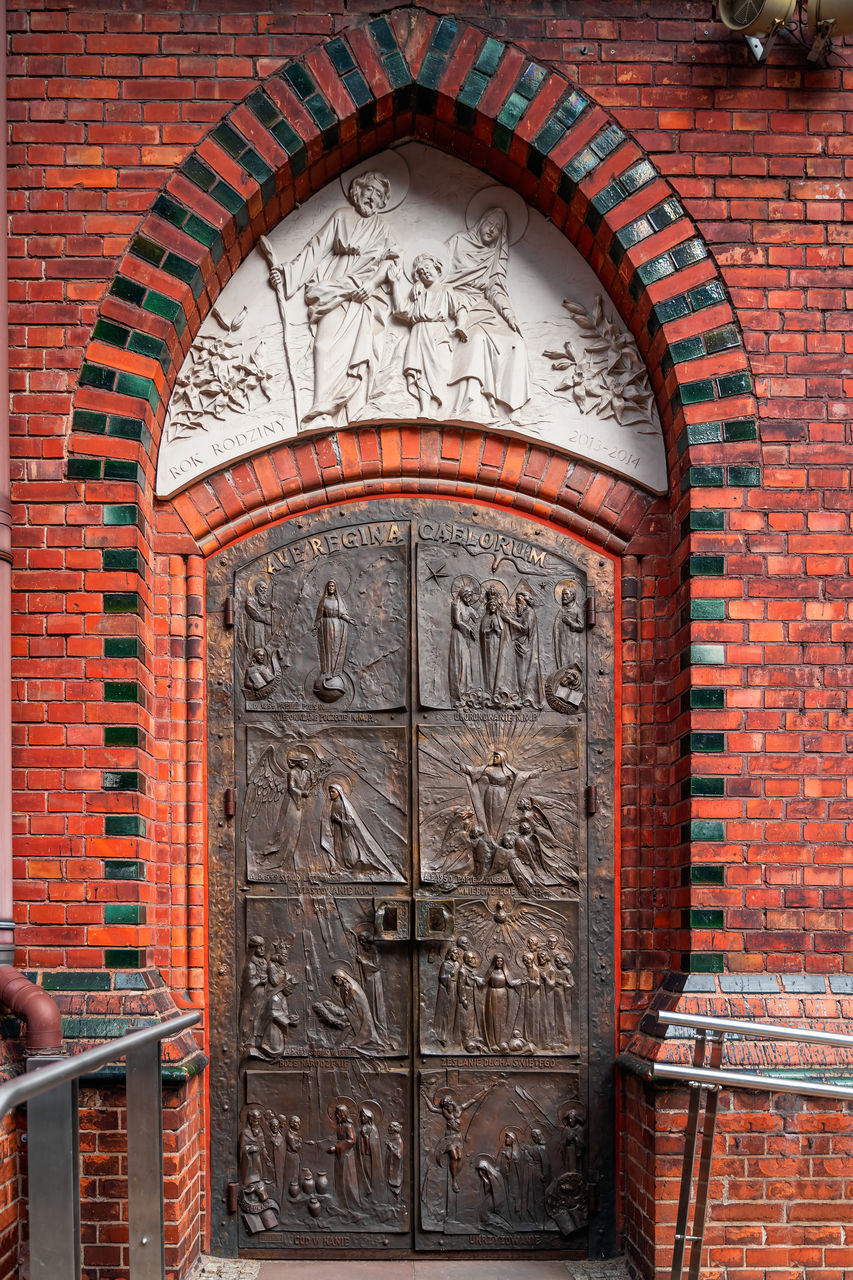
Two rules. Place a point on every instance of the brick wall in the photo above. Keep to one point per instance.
(736, 621)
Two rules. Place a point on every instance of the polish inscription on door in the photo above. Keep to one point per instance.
(411, 895)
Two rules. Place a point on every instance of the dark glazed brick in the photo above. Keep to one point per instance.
(76, 980)
(722, 339)
(607, 141)
(705, 478)
(740, 429)
(704, 433)
(132, 982)
(148, 250)
(689, 349)
(124, 958)
(707, 742)
(381, 33)
(637, 176)
(159, 305)
(170, 211)
(121, 735)
(198, 173)
(706, 295)
(704, 699)
(128, 290)
(735, 384)
(444, 35)
(706, 962)
(89, 421)
(706, 918)
(121, 647)
(489, 57)
(121, 558)
(114, 334)
(121, 691)
(685, 254)
(121, 602)
(706, 831)
(124, 869)
(707, 875)
(673, 309)
(697, 392)
(121, 780)
(124, 913)
(84, 468)
(300, 80)
(94, 375)
(229, 140)
(744, 477)
(124, 824)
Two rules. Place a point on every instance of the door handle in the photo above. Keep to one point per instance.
(391, 920)
(435, 919)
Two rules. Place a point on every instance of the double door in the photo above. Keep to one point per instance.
(411, 884)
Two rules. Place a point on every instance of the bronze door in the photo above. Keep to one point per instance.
(411, 884)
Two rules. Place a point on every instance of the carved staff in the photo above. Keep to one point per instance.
(277, 283)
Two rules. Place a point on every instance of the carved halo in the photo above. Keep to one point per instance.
(392, 166)
(560, 586)
(465, 582)
(515, 208)
(499, 588)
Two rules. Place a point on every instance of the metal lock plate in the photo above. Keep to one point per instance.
(435, 919)
(391, 920)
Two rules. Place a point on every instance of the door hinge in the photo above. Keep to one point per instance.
(230, 802)
(232, 1196)
(589, 608)
(228, 612)
(591, 796)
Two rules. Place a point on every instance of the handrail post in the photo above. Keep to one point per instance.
(145, 1164)
(703, 1180)
(690, 1136)
(53, 1147)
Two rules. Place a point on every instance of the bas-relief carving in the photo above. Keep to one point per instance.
(505, 983)
(413, 290)
(346, 993)
(497, 630)
(325, 805)
(323, 621)
(498, 805)
(322, 1148)
(502, 1155)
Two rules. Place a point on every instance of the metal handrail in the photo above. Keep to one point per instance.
(38, 1081)
(707, 1083)
(757, 1030)
(53, 1146)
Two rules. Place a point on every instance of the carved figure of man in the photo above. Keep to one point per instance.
(344, 272)
(369, 1150)
(262, 673)
(482, 852)
(463, 676)
(445, 999)
(568, 626)
(293, 1150)
(394, 1158)
(523, 632)
(538, 1173)
(451, 1143)
(563, 999)
(346, 1174)
(468, 981)
(300, 782)
(364, 1033)
(253, 993)
(573, 1141)
(259, 618)
(278, 1018)
(253, 1150)
(435, 315)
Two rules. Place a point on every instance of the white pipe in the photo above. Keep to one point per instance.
(7, 935)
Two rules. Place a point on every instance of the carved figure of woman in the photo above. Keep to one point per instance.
(347, 841)
(496, 1004)
(293, 1150)
(363, 1033)
(445, 999)
(463, 676)
(538, 1173)
(548, 976)
(278, 1016)
(492, 366)
(568, 625)
(371, 976)
(490, 786)
(331, 627)
(522, 632)
(510, 1161)
(344, 271)
(491, 631)
(369, 1149)
(564, 983)
(528, 1022)
(278, 1151)
(346, 1174)
(495, 1210)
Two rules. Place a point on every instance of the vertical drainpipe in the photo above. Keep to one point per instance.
(7, 934)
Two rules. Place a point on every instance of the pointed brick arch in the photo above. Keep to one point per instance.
(410, 74)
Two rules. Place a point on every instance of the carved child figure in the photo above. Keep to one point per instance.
(435, 315)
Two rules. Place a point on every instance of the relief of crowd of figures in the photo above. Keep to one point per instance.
(322, 651)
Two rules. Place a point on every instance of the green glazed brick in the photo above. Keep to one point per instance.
(697, 392)
(114, 334)
(87, 420)
(740, 429)
(263, 106)
(122, 469)
(735, 384)
(658, 269)
(121, 602)
(672, 309)
(121, 735)
(684, 255)
(229, 139)
(159, 305)
(131, 384)
(128, 290)
(198, 173)
(707, 875)
(121, 647)
(284, 133)
(170, 211)
(94, 375)
(490, 55)
(124, 869)
(148, 250)
(382, 34)
(432, 69)
(744, 477)
(710, 786)
(121, 514)
(707, 918)
(706, 742)
(180, 268)
(122, 428)
(322, 113)
(706, 295)
(702, 699)
(705, 477)
(80, 980)
(708, 610)
(124, 824)
(707, 566)
(225, 195)
(706, 962)
(124, 913)
(358, 88)
(705, 830)
(722, 339)
(444, 35)
(707, 655)
(341, 58)
(84, 468)
(120, 559)
(121, 691)
(300, 80)
(706, 520)
(121, 780)
(704, 433)
(124, 958)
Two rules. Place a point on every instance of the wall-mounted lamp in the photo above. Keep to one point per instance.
(761, 21)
